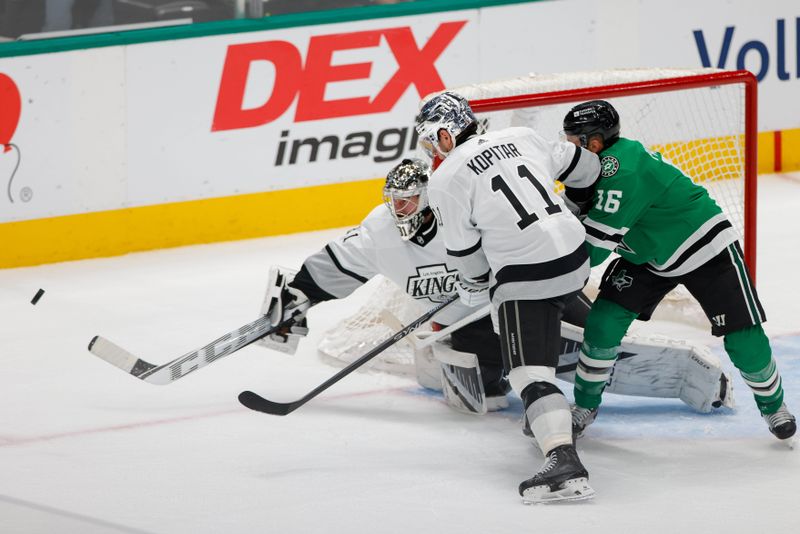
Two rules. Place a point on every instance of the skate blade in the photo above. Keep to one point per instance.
(577, 489)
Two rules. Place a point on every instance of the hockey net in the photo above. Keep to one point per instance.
(701, 120)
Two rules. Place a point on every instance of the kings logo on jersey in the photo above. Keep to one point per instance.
(432, 282)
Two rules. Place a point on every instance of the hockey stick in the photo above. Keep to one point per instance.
(182, 366)
(420, 341)
(260, 404)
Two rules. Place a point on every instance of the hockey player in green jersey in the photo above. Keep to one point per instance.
(667, 231)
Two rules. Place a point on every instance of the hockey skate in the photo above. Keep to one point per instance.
(782, 424)
(561, 478)
(581, 418)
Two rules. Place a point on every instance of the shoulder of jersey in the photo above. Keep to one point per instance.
(442, 173)
(467, 150)
(521, 130)
(611, 160)
(380, 222)
(379, 215)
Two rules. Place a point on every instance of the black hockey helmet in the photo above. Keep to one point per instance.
(596, 117)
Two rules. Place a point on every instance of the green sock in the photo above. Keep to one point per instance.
(605, 326)
(750, 352)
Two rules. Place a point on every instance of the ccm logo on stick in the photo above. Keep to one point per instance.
(415, 67)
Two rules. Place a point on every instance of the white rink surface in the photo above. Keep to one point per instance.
(86, 448)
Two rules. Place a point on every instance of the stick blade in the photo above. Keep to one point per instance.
(117, 356)
(260, 404)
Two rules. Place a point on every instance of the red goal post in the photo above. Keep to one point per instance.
(708, 119)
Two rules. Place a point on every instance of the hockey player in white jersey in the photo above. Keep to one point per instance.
(515, 243)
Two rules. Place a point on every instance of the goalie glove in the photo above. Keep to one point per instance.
(283, 302)
(473, 293)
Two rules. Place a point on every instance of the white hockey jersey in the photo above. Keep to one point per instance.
(419, 265)
(494, 200)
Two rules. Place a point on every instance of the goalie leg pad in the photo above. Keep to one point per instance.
(657, 367)
(428, 369)
(705, 385)
(462, 383)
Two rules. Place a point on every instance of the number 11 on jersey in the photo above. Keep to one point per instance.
(526, 218)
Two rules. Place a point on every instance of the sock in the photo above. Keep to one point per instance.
(750, 352)
(605, 326)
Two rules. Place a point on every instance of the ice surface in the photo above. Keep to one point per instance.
(86, 448)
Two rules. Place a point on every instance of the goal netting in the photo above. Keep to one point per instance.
(702, 120)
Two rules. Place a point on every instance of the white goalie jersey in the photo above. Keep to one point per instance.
(375, 247)
(494, 197)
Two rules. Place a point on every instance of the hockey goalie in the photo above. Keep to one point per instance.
(461, 356)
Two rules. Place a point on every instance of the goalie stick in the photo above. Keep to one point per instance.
(182, 366)
(260, 404)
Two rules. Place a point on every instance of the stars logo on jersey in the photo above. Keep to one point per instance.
(609, 166)
(432, 282)
(623, 247)
(622, 280)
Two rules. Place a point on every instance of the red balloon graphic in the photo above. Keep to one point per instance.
(10, 107)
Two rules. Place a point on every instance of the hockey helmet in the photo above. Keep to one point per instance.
(445, 111)
(596, 117)
(406, 195)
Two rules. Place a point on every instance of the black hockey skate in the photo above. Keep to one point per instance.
(561, 478)
(581, 418)
(781, 423)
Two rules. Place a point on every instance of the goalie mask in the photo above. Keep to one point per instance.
(596, 117)
(406, 195)
(445, 111)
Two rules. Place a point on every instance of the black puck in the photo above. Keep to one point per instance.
(37, 296)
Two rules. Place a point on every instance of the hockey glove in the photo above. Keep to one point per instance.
(579, 200)
(283, 302)
(579, 210)
(473, 293)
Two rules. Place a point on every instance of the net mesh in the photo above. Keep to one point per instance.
(359, 333)
(700, 130)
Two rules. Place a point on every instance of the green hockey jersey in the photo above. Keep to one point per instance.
(648, 211)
